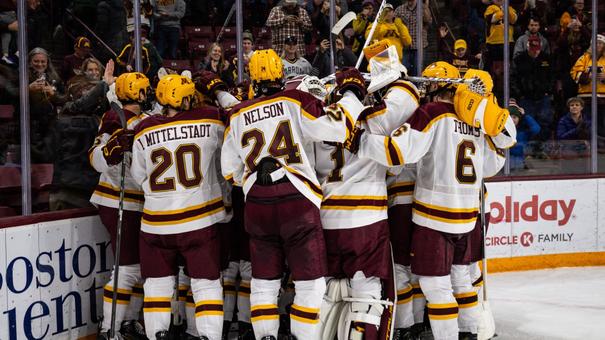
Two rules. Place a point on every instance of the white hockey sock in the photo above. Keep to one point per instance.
(304, 313)
(243, 293)
(229, 293)
(466, 297)
(183, 288)
(476, 276)
(157, 304)
(418, 300)
(404, 317)
(442, 306)
(190, 314)
(208, 297)
(129, 275)
(133, 312)
(263, 311)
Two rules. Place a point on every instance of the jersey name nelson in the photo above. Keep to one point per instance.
(171, 133)
(263, 112)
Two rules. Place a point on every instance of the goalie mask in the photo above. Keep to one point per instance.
(309, 84)
(385, 68)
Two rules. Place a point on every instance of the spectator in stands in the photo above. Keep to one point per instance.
(392, 29)
(533, 30)
(247, 51)
(571, 44)
(288, 20)
(361, 23)
(407, 13)
(320, 17)
(167, 16)
(582, 74)
(215, 62)
(86, 92)
(294, 63)
(494, 20)
(151, 59)
(575, 12)
(575, 125)
(111, 25)
(45, 92)
(67, 142)
(527, 127)
(460, 57)
(8, 25)
(343, 57)
(73, 63)
(533, 83)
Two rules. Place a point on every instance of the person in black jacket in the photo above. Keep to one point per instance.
(343, 57)
(532, 84)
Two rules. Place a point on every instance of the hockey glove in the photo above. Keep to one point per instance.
(119, 142)
(350, 79)
(352, 143)
(208, 83)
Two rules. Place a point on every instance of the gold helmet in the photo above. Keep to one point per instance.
(441, 69)
(265, 65)
(172, 89)
(130, 85)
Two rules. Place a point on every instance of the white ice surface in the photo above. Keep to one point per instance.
(562, 303)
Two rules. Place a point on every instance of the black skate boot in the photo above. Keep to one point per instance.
(404, 334)
(163, 335)
(268, 337)
(467, 336)
(132, 330)
(245, 331)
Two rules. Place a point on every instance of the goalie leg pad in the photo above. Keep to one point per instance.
(466, 297)
(442, 306)
(331, 307)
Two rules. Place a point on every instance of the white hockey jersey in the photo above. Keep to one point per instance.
(400, 186)
(107, 192)
(175, 159)
(284, 126)
(452, 158)
(354, 188)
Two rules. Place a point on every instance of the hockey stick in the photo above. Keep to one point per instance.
(487, 326)
(116, 265)
(220, 33)
(369, 38)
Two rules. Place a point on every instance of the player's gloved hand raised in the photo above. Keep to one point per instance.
(119, 142)
(352, 143)
(350, 79)
(208, 83)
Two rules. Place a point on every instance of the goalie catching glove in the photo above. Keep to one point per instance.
(208, 83)
(350, 79)
(119, 142)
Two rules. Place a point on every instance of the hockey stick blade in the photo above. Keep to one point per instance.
(343, 22)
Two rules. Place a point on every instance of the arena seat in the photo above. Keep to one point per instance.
(199, 32)
(7, 211)
(42, 176)
(229, 47)
(228, 33)
(263, 44)
(198, 48)
(178, 64)
(7, 112)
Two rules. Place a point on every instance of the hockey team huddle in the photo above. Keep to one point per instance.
(296, 210)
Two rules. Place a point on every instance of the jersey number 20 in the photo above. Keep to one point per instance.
(164, 160)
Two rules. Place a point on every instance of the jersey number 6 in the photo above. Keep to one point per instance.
(465, 169)
(282, 145)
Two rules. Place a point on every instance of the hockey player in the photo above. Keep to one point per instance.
(268, 145)
(114, 142)
(452, 157)
(175, 160)
(215, 90)
(354, 213)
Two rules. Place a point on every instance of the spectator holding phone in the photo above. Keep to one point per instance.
(393, 29)
(361, 23)
(343, 57)
(288, 20)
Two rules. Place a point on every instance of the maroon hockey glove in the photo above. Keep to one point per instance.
(352, 143)
(119, 142)
(208, 83)
(350, 79)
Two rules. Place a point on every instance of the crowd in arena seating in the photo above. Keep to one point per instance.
(550, 58)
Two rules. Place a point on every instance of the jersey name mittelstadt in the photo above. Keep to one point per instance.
(264, 112)
(175, 133)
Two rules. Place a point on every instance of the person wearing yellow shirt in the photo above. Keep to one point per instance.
(494, 19)
(581, 73)
(392, 29)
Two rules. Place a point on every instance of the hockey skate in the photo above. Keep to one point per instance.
(132, 330)
(163, 335)
(467, 336)
(245, 331)
(404, 334)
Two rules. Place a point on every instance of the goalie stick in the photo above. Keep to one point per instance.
(116, 265)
